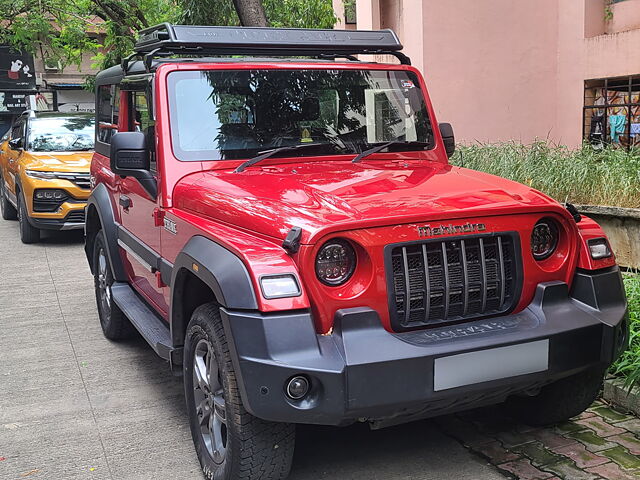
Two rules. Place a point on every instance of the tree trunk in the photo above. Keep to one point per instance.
(251, 13)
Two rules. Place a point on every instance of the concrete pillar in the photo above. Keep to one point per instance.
(368, 14)
(413, 36)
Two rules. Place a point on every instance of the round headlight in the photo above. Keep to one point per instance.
(335, 262)
(544, 239)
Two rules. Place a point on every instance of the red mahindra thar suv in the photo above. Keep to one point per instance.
(280, 221)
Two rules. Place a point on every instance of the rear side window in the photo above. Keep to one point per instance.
(108, 112)
(142, 121)
(17, 131)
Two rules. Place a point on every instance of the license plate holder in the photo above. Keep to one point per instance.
(491, 364)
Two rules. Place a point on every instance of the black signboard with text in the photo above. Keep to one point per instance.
(16, 70)
(13, 102)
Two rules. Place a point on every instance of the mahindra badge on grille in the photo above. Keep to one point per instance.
(433, 231)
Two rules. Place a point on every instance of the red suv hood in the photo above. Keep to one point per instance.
(329, 196)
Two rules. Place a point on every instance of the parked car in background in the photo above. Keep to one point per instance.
(289, 234)
(44, 172)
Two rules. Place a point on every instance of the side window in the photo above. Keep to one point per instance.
(141, 121)
(17, 130)
(108, 112)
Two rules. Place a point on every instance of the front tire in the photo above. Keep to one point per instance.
(115, 325)
(231, 444)
(558, 401)
(7, 210)
(28, 233)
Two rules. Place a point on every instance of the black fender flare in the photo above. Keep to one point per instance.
(220, 269)
(101, 202)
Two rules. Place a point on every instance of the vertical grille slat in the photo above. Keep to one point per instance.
(465, 278)
(483, 266)
(407, 285)
(436, 282)
(445, 271)
(427, 282)
(502, 277)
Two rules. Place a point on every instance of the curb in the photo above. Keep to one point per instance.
(616, 393)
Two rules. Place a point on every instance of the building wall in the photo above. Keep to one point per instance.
(502, 70)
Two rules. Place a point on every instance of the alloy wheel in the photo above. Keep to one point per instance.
(209, 401)
(104, 289)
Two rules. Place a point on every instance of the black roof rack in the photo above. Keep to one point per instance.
(166, 39)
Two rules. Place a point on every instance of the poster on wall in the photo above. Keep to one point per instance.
(45, 102)
(16, 70)
(77, 107)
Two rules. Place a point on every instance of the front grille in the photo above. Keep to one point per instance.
(443, 281)
(81, 180)
(76, 216)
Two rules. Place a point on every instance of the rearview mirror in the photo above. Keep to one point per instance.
(446, 130)
(129, 157)
(16, 143)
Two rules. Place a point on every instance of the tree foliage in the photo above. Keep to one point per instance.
(65, 30)
(280, 13)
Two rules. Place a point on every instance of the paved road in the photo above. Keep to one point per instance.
(74, 405)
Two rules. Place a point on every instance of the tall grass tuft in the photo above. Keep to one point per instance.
(586, 176)
(628, 365)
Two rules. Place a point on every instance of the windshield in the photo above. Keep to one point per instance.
(236, 114)
(61, 134)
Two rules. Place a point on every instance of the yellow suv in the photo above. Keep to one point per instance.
(44, 172)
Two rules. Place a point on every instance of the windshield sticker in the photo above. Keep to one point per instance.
(305, 136)
(407, 84)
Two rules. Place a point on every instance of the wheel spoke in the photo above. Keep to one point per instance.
(219, 408)
(200, 370)
(204, 413)
(214, 376)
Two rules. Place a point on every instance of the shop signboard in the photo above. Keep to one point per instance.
(13, 102)
(16, 70)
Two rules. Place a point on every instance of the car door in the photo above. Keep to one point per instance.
(4, 146)
(12, 156)
(138, 211)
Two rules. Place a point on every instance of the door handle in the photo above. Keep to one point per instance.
(125, 202)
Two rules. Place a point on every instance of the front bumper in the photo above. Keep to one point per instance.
(361, 371)
(73, 220)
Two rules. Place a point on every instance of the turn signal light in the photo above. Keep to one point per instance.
(599, 248)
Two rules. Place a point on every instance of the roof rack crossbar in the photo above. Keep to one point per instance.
(166, 39)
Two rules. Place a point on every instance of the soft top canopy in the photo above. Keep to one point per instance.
(202, 40)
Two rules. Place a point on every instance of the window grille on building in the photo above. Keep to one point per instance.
(612, 112)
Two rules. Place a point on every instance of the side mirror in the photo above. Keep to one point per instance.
(128, 153)
(446, 130)
(129, 157)
(16, 144)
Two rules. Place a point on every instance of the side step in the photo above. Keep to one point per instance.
(152, 328)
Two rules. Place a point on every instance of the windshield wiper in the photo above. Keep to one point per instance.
(270, 153)
(378, 148)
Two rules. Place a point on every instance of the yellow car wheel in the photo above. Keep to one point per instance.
(28, 233)
(8, 211)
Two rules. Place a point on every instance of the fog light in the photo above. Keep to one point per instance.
(599, 248)
(50, 194)
(297, 388)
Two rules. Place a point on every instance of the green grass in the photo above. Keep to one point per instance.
(588, 177)
(628, 365)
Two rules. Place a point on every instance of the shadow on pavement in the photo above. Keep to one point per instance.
(69, 237)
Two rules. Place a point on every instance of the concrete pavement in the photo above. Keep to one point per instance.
(74, 405)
